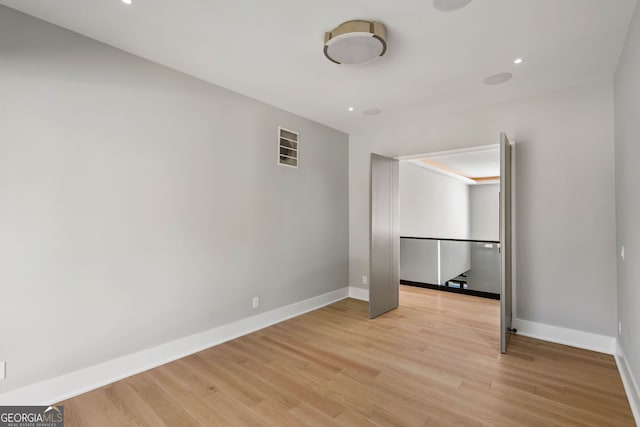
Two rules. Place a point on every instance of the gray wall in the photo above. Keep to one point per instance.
(484, 212)
(139, 205)
(432, 204)
(566, 265)
(627, 148)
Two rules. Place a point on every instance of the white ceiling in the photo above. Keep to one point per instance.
(473, 164)
(467, 164)
(272, 50)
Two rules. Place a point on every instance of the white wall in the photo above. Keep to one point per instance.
(484, 212)
(139, 205)
(432, 204)
(565, 204)
(627, 147)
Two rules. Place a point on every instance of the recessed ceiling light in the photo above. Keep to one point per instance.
(127, 1)
(450, 5)
(355, 42)
(497, 79)
(372, 111)
(351, 108)
(518, 61)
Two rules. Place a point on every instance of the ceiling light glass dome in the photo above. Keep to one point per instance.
(355, 43)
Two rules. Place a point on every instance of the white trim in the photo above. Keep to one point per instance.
(72, 384)
(487, 182)
(448, 152)
(570, 337)
(514, 233)
(443, 172)
(358, 293)
(629, 381)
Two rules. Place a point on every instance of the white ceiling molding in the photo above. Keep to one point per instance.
(471, 165)
(472, 149)
(443, 172)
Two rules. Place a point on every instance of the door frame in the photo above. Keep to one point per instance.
(506, 240)
(471, 149)
(445, 152)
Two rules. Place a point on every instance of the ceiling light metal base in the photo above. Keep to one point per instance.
(355, 42)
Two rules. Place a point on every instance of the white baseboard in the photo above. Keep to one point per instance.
(358, 293)
(630, 384)
(589, 341)
(570, 337)
(72, 384)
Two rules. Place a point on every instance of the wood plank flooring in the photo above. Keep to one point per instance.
(432, 362)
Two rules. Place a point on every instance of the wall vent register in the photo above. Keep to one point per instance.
(288, 148)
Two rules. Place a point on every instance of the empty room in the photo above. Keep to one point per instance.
(347, 213)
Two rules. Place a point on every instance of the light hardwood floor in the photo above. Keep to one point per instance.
(434, 361)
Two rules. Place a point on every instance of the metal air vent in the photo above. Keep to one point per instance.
(288, 147)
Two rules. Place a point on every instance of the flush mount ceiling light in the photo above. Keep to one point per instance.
(518, 61)
(497, 79)
(450, 5)
(127, 1)
(355, 42)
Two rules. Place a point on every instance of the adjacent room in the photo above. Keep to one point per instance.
(450, 221)
(411, 212)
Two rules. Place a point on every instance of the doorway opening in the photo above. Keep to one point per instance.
(443, 221)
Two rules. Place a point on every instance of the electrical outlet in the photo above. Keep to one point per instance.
(256, 302)
(365, 280)
(619, 328)
(3, 370)
(622, 253)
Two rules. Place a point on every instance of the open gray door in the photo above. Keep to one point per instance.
(505, 242)
(384, 240)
